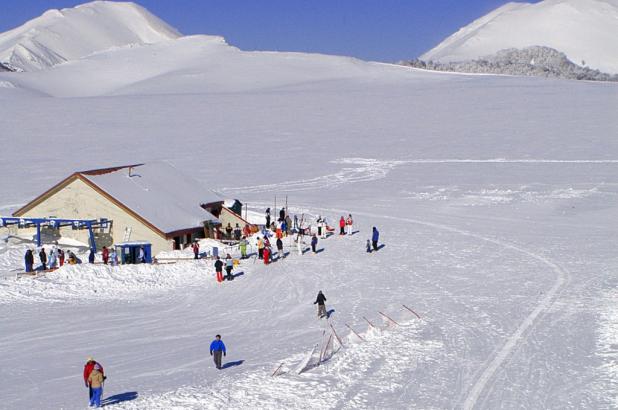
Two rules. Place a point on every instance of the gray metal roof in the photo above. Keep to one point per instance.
(160, 193)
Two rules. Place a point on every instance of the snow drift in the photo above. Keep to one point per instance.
(68, 34)
(585, 30)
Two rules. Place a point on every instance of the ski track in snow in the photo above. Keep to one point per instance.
(371, 169)
(366, 169)
(525, 327)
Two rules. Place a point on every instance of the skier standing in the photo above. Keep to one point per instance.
(105, 255)
(114, 257)
(267, 253)
(29, 260)
(342, 226)
(229, 265)
(279, 248)
(368, 246)
(95, 380)
(43, 257)
(217, 347)
(321, 306)
(61, 256)
(196, 250)
(88, 370)
(285, 226)
(242, 245)
(374, 238)
(237, 232)
(260, 246)
(228, 231)
(314, 243)
(282, 215)
(267, 217)
(53, 257)
(142, 255)
(319, 224)
(219, 269)
(349, 223)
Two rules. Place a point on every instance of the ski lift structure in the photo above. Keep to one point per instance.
(56, 223)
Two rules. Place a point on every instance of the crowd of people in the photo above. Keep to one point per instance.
(94, 375)
(286, 227)
(49, 260)
(54, 257)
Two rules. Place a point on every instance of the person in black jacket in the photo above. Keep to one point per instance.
(280, 253)
(267, 218)
(219, 269)
(320, 302)
(29, 260)
(43, 257)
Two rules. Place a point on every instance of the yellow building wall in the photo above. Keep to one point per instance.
(80, 201)
(227, 216)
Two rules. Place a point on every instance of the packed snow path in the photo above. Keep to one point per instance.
(482, 298)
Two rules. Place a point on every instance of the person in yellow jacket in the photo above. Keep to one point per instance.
(95, 381)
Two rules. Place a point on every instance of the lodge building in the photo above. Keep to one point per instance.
(153, 202)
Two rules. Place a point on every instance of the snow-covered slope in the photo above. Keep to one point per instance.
(68, 34)
(193, 64)
(493, 196)
(585, 30)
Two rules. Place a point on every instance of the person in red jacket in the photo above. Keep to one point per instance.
(266, 255)
(105, 255)
(88, 367)
(342, 226)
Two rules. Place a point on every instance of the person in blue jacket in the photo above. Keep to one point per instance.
(216, 349)
(374, 238)
(314, 243)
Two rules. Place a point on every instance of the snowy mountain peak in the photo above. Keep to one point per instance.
(68, 34)
(585, 30)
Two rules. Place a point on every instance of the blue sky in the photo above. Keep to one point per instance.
(381, 30)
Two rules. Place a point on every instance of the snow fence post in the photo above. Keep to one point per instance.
(370, 324)
(276, 370)
(336, 335)
(411, 311)
(388, 318)
(323, 351)
(353, 331)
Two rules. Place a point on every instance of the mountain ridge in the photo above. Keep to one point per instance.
(584, 30)
(63, 35)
